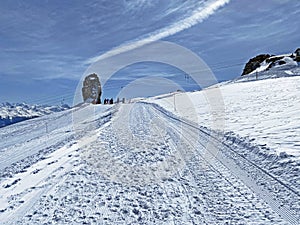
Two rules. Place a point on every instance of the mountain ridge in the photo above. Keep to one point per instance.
(11, 113)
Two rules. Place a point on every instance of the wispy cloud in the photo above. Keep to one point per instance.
(197, 16)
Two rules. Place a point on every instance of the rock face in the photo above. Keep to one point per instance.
(91, 90)
(266, 62)
(254, 63)
(297, 52)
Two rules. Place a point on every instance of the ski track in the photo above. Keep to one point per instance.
(99, 174)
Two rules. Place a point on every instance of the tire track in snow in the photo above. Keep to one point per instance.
(290, 213)
(194, 194)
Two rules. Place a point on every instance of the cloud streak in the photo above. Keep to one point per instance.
(197, 16)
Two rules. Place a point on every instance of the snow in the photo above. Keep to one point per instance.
(263, 67)
(12, 113)
(289, 63)
(266, 111)
(153, 162)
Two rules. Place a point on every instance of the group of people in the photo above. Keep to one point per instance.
(108, 101)
(111, 101)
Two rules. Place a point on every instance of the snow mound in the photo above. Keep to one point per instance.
(287, 70)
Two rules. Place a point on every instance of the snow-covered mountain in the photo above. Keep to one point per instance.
(272, 63)
(17, 112)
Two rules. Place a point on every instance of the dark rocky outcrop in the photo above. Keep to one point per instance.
(271, 61)
(297, 52)
(254, 63)
(274, 59)
(91, 90)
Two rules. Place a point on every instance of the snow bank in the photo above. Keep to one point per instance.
(265, 111)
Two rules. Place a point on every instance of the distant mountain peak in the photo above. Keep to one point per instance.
(16, 112)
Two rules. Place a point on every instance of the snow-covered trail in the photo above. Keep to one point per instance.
(35, 152)
(144, 165)
(28, 141)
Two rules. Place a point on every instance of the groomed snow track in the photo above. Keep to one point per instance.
(144, 165)
(282, 197)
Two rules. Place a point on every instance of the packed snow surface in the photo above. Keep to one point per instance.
(158, 163)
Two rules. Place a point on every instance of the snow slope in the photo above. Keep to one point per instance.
(267, 112)
(139, 163)
(13, 113)
(287, 70)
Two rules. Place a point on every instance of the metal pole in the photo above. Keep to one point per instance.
(174, 102)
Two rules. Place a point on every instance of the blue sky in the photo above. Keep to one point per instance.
(47, 45)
